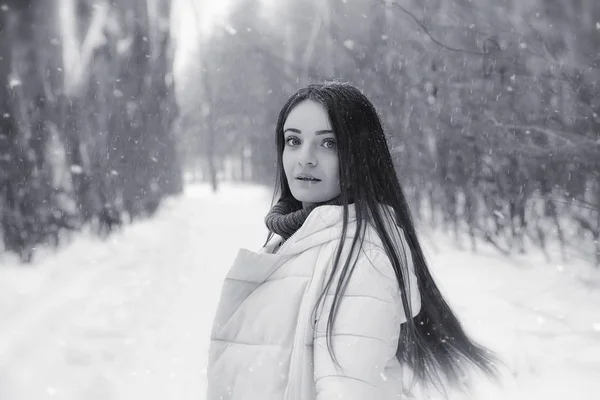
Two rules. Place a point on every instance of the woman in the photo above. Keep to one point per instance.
(339, 303)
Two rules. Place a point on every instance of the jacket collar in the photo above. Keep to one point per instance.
(324, 224)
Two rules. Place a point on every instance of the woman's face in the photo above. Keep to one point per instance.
(310, 156)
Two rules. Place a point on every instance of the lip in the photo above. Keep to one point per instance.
(307, 177)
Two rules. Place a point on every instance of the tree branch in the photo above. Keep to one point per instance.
(273, 60)
(560, 135)
(427, 32)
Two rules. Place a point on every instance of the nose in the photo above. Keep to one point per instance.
(307, 157)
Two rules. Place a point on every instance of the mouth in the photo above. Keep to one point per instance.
(307, 178)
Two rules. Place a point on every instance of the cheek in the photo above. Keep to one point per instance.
(287, 163)
(332, 170)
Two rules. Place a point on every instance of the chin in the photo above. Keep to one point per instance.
(308, 199)
(305, 196)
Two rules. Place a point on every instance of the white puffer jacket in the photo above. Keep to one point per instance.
(263, 343)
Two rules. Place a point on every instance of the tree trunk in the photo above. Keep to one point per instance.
(72, 116)
(169, 174)
(597, 232)
(24, 189)
(10, 152)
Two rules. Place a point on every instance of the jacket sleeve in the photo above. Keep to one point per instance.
(365, 333)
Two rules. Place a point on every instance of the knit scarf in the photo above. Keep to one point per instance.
(287, 216)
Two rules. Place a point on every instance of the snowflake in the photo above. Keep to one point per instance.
(14, 82)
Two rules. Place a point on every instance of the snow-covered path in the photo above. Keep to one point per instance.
(129, 318)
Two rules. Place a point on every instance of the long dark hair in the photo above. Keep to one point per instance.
(433, 344)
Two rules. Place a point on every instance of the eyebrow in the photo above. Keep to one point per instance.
(321, 132)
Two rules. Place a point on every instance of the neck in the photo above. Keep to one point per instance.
(306, 205)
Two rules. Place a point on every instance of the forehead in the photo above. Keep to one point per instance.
(308, 115)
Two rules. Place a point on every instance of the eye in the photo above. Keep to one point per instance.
(292, 141)
(329, 143)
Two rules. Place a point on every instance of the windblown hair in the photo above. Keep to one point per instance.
(433, 344)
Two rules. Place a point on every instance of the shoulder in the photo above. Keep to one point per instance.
(369, 272)
(374, 273)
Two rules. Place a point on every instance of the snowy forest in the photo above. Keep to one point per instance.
(137, 156)
(88, 104)
(109, 107)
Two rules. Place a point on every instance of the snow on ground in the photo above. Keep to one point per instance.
(129, 317)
